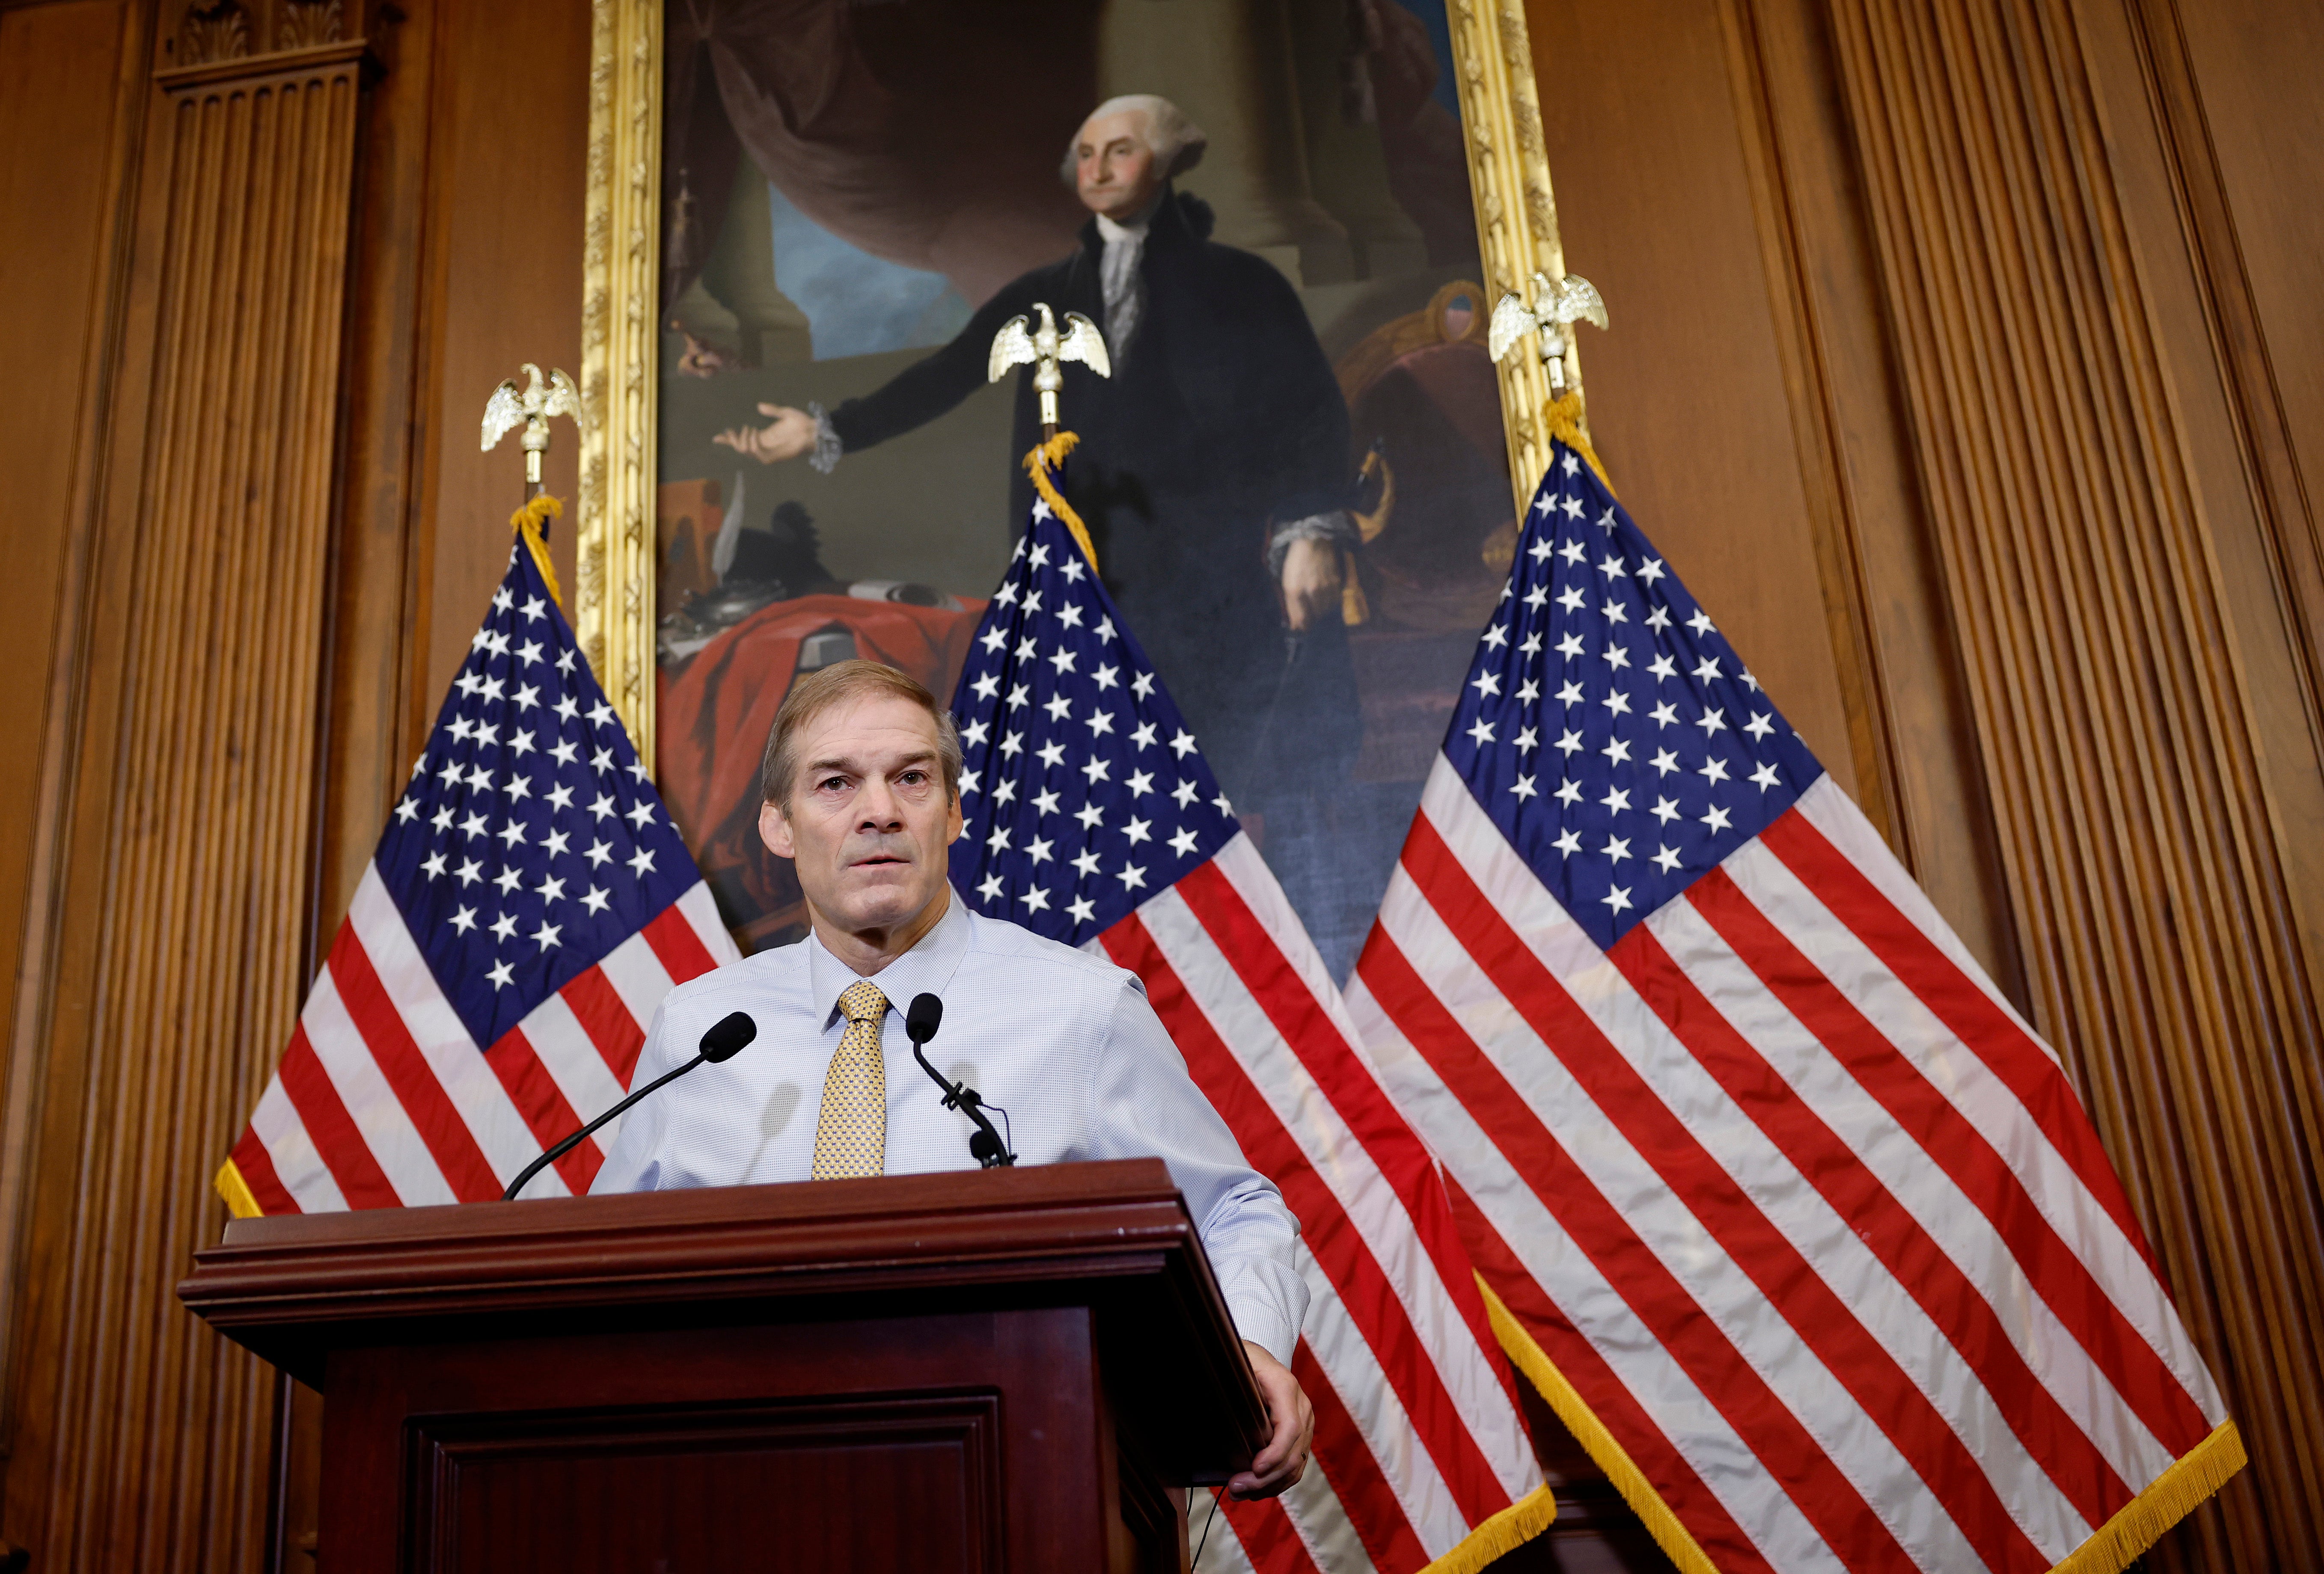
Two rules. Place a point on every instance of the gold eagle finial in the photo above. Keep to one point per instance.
(1019, 343)
(532, 406)
(1555, 303)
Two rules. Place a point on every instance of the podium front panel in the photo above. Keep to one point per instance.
(864, 1444)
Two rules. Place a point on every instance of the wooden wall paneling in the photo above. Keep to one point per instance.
(2234, 82)
(1899, 664)
(1810, 397)
(188, 851)
(1687, 393)
(2198, 252)
(2112, 722)
(69, 103)
(373, 715)
(2239, 371)
(1746, 399)
(506, 193)
(59, 66)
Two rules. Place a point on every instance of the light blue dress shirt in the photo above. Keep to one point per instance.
(1063, 1040)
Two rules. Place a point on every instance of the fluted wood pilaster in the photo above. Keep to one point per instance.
(189, 859)
(2160, 947)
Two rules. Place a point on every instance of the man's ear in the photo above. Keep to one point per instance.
(775, 830)
(957, 825)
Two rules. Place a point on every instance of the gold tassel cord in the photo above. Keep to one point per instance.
(236, 1191)
(527, 522)
(1561, 418)
(1039, 464)
(1661, 1523)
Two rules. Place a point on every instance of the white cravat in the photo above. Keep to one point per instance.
(1118, 274)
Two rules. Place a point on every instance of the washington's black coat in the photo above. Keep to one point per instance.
(1222, 418)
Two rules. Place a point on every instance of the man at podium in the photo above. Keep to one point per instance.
(861, 792)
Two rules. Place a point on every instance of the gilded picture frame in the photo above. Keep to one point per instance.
(614, 605)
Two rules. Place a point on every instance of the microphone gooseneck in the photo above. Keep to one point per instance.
(723, 1043)
(920, 1025)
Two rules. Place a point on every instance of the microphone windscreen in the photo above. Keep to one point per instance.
(921, 1021)
(727, 1036)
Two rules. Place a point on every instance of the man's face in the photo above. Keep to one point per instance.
(868, 818)
(1113, 168)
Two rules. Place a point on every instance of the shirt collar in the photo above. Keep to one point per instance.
(926, 968)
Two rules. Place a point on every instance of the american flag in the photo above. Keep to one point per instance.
(527, 906)
(1801, 1228)
(1091, 818)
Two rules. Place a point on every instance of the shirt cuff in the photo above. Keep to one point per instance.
(827, 447)
(1258, 1319)
(1334, 527)
(1268, 1300)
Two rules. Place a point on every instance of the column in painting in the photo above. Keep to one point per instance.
(1227, 64)
(1335, 54)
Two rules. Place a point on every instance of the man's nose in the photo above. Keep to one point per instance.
(879, 805)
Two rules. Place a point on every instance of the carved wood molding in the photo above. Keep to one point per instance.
(213, 30)
(614, 600)
(187, 860)
(1517, 216)
(2160, 952)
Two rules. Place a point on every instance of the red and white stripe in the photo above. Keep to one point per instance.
(382, 1099)
(1418, 1439)
(1803, 1212)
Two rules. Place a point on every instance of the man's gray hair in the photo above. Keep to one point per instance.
(1176, 141)
(841, 682)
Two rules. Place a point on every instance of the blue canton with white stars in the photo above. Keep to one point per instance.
(1083, 792)
(1606, 726)
(529, 840)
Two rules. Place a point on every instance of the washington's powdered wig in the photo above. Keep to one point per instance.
(838, 684)
(1176, 141)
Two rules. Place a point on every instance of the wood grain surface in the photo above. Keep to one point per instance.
(901, 1371)
(178, 942)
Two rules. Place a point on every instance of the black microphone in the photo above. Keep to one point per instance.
(985, 1147)
(723, 1042)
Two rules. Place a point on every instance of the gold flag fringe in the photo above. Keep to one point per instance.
(1505, 1532)
(2168, 1498)
(1561, 418)
(1630, 1481)
(528, 521)
(236, 1191)
(1038, 464)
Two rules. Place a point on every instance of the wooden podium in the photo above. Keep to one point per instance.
(1001, 1369)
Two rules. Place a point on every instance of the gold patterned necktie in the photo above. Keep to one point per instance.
(851, 1134)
